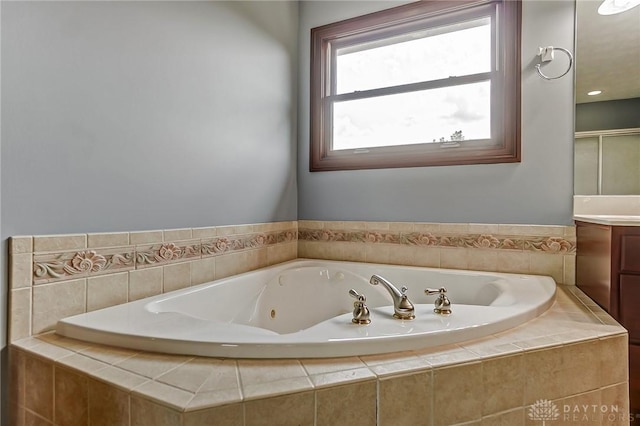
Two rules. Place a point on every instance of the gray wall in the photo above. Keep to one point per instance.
(607, 115)
(536, 191)
(144, 115)
(122, 116)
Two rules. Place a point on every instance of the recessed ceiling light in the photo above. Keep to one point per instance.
(594, 92)
(611, 7)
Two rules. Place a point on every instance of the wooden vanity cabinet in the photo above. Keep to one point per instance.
(608, 271)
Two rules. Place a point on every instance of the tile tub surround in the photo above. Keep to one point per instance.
(52, 277)
(574, 355)
(526, 249)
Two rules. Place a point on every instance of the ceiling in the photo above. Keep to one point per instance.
(607, 53)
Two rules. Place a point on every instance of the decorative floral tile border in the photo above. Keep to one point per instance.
(51, 267)
(546, 244)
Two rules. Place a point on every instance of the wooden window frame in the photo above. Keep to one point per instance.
(504, 145)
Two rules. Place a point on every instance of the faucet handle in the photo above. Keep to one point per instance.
(356, 295)
(403, 290)
(442, 303)
(361, 313)
(430, 291)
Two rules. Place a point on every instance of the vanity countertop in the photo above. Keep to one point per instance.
(609, 219)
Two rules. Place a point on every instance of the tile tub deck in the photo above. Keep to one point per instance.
(573, 355)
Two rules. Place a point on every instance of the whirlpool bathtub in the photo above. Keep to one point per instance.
(302, 309)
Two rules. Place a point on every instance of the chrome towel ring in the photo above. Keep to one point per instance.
(546, 55)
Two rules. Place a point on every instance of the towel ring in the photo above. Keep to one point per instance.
(544, 53)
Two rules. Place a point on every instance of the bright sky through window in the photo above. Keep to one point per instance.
(422, 116)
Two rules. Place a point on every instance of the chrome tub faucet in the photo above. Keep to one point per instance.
(402, 306)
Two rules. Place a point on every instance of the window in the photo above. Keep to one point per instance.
(424, 84)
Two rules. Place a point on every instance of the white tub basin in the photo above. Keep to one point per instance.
(302, 309)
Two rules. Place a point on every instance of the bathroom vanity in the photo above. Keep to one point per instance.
(608, 271)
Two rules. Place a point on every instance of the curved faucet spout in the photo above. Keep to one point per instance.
(403, 308)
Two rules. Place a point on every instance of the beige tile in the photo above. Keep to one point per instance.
(107, 290)
(260, 371)
(402, 254)
(176, 276)
(108, 239)
(121, 379)
(580, 409)
(108, 354)
(160, 393)
(542, 380)
(177, 234)
(516, 230)
(82, 363)
(203, 374)
(310, 224)
(108, 406)
(203, 271)
(38, 383)
(465, 404)
(50, 352)
(64, 342)
(20, 314)
(443, 356)
(234, 229)
(16, 382)
(513, 262)
(578, 374)
(617, 397)
(429, 257)
(482, 260)
(52, 302)
(20, 270)
(350, 252)
(145, 412)
(400, 367)
(347, 405)
(389, 358)
(377, 226)
(145, 283)
(425, 227)
(401, 226)
(546, 230)
(71, 398)
(59, 242)
(331, 365)
(569, 269)
(508, 418)
(454, 258)
(276, 388)
(152, 365)
(484, 228)
(503, 381)
(613, 356)
(206, 232)
(347, 225)
(208, 399)
(376, 252)
(415, 407)
(547, 264)
(20, 244)
(228, 415)
(336, 378)
(239, 262)
(294, 410)
(454, 228)
(282, 252)
(145, 237)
